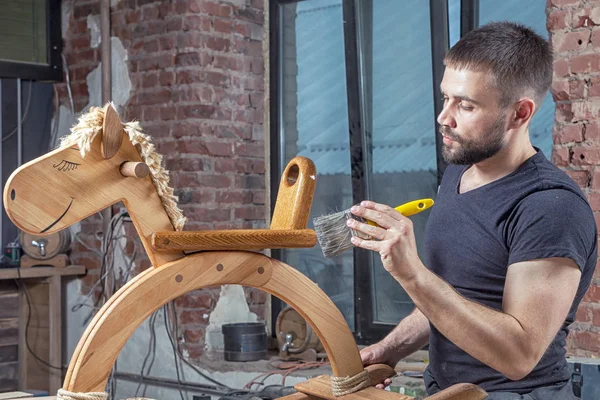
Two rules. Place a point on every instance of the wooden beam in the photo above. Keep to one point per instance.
(235, 239)
(40, 272)
(55, 332)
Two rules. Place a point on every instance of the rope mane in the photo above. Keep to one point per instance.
(90, 124)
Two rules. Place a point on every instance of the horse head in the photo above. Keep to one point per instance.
(93, 168)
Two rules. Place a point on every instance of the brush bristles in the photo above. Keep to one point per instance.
(333, 233)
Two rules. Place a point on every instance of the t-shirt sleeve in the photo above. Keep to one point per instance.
(551, 223)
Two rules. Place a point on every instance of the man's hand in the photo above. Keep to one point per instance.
(394, 238)
(378, 354)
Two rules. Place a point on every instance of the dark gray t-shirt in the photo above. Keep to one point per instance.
(472, 238)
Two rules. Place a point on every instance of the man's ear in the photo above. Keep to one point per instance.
(522, 113)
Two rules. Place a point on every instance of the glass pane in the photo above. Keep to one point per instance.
(533, 14)
(403, 129)
(315, 125)
(23, 31)
(454, 21)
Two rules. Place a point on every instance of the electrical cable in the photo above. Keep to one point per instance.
(202, 374)
(24, 114)
(151, 350)
(24, 288)
(66, 68)
(165, 311)
(104, 271)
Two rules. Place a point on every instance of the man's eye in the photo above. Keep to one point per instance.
(466, 108)
(66, 166)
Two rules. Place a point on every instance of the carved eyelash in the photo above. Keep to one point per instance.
(65, 166)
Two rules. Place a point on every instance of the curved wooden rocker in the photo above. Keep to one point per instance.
(94, 169)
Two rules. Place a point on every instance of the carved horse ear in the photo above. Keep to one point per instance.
(112, 133)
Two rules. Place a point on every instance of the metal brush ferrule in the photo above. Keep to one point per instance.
(361, 235)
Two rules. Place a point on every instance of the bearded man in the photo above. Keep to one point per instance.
(511, 243)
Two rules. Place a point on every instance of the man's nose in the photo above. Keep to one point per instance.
(445, 118)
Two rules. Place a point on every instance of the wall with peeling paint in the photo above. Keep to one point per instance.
(192, 72)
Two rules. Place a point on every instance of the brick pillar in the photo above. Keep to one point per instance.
(574, 27)
(197, 74)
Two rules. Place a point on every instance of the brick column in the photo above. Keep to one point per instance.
(575, 35)
(197, 74)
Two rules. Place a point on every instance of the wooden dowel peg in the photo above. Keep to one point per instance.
(134, 169)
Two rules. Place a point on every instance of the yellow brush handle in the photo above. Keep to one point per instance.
(410, 208)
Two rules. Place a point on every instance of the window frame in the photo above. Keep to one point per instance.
(51, 72)
(367, 330)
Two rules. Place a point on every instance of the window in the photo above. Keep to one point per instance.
(30, 40)
(354, 87)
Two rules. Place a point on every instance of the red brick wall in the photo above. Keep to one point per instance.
(574, 27)
(197, 74)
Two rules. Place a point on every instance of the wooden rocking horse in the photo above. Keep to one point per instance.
(95, 168)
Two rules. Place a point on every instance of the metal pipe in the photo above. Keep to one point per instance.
(105, 49)
(170, 383)
(19, 125)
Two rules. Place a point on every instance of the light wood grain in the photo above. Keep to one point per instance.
(40, 272)
(22, 351)
(134, 169)
(58, 261)
(54, 244)
(295, 195)
(321, 385)
(111, 328)
(112, 133)
(460, 391)
(47, 200)
(298, 396)
(55, 333)
(237, 239)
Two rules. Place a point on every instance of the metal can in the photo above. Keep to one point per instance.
(13, 253)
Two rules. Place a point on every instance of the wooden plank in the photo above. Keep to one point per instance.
(8, 354)
(37, 290)
(235, 239)
(9, 331)
(35, 374)
(40, 272)
(298, 396)
(55, 334)
(14, 395)
(10, 305)
(23, 353)
(58, 261)
(8, 376)
(460, 391)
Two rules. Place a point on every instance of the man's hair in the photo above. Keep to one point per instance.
(519, 59)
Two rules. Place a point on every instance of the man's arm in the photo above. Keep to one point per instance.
(411, 334)
(537, 297)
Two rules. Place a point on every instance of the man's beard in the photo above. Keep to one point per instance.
(473, 151)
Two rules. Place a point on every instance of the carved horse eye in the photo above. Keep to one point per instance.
(65, 166)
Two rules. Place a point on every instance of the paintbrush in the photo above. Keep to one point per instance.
(334, 235)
